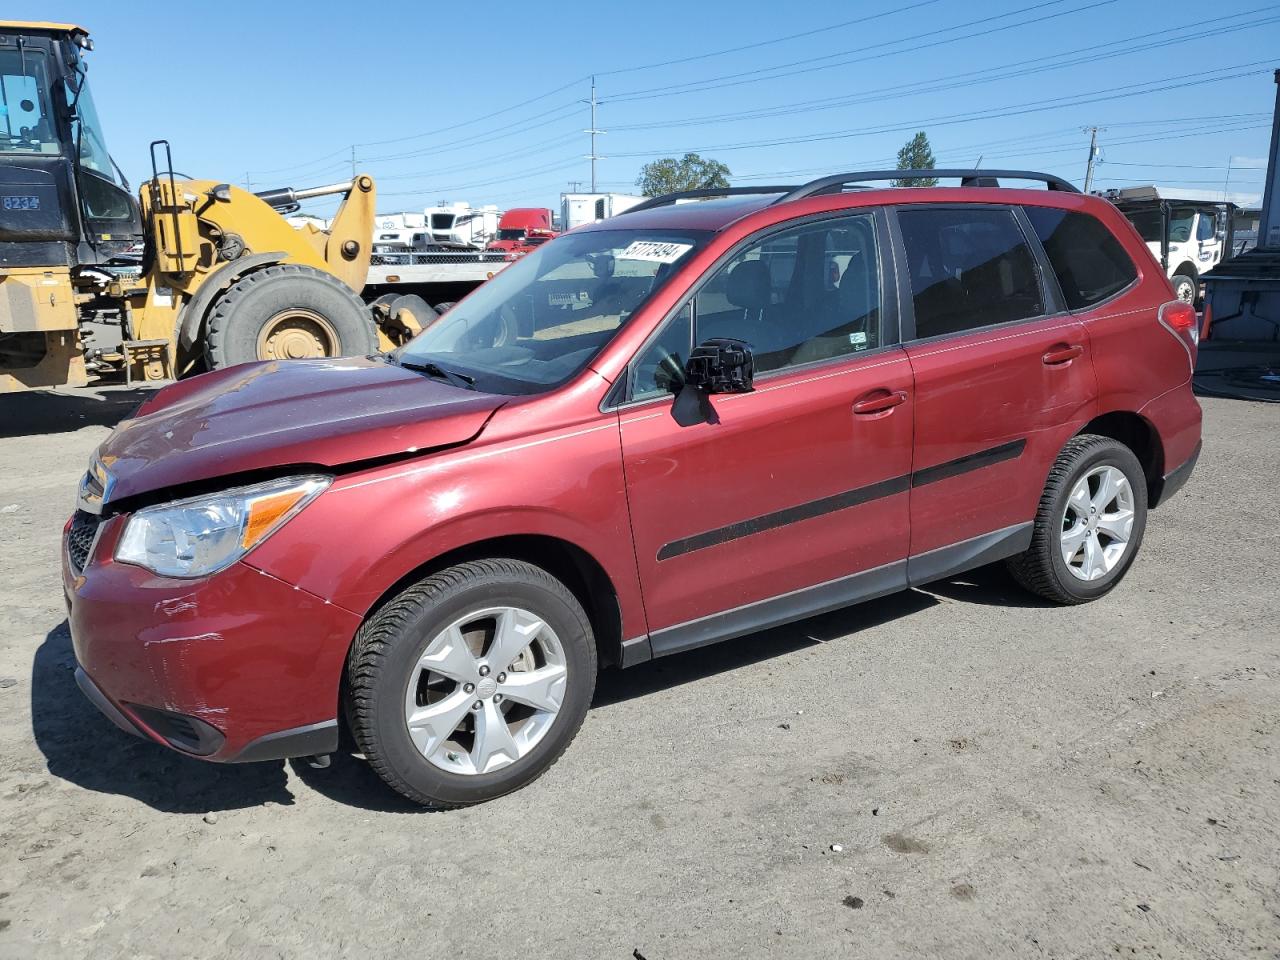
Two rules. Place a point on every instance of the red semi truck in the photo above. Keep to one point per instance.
(522, 229)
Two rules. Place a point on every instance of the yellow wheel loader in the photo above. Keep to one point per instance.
(198, 274)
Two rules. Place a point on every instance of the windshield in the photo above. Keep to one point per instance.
(442, 221)
(93, 148)
(1149, 228)
(515, 234)
(26, 120)
(542, 319)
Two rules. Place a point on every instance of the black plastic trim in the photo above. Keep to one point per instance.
(785, 517)
(307, 741)
(975, 552)
(807, 602)
(840, 501)
(1176, 479)
(824, 597)
(108, 709)
(636, 650)
(973, 461)
(968, 178)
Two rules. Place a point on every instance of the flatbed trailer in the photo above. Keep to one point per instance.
(437, 277)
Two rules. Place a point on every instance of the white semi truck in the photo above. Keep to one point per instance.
(1188, 231)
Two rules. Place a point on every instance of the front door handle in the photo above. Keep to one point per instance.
(879, 404)
(1061, 353)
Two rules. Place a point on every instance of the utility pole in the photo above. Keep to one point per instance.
(575, 186)
(593, 156)
(247, 184)
(1093, 155)
(353, 161)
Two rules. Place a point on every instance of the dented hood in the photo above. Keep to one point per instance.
(275, 414)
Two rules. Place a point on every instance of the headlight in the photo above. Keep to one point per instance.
(200, 536)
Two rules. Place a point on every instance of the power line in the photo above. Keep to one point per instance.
(1019, 109)
(859, 21)
(956, 81)
(859, 54)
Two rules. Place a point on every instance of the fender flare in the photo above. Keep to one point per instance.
(1187, 269)
(218, 283)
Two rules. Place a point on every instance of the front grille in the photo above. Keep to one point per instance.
(84, 527)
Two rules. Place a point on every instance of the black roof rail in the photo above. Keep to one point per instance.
(968, 178)
(669, 198)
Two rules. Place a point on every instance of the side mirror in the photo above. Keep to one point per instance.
(721, 365)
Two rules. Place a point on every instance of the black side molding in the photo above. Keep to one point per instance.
(974, 461)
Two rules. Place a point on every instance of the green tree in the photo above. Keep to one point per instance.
(690, 172)
(916, 154)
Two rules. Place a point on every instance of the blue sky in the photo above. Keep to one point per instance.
(449, 101)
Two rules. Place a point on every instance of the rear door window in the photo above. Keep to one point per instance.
(1088, 260)
(969, 268)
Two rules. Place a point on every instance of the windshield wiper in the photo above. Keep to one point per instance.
(433, 369)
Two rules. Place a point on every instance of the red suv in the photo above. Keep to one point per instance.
(675, 427)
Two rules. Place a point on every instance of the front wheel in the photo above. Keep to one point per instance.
(472, 682)
(287, 311)
(1184, 288)
(1089, 525)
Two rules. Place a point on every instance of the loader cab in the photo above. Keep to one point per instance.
(63, 201)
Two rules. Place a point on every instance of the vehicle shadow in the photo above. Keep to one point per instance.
(64, 411)
(616, 686)
(83, 747)
(991, 585)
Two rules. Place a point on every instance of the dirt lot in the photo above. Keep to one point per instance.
(1004, 779)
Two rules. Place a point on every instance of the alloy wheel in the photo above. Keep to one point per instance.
(486, 690)
(1097, 523)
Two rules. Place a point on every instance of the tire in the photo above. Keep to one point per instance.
(300, 311)
(1184, 288)
(1043, 568)
(441, 765)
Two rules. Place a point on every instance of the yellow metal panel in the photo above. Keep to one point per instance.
(43, 25)
(36, 298)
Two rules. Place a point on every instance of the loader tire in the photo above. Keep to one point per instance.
(287, 312)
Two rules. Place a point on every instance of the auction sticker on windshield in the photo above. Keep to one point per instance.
(655, 251)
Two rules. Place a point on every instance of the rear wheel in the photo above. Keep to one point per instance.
(1089, 525)
(287, 312)
(472, 682)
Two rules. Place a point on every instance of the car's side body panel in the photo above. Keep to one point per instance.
(786, 487)
(991, 417)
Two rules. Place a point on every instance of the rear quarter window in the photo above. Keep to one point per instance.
(1090, 263)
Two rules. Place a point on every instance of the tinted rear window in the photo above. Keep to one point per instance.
(1090, 263)
(969, 268)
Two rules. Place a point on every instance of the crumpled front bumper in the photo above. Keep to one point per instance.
(233, 667)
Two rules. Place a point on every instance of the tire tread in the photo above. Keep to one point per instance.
(1033, 568)
(375, 638)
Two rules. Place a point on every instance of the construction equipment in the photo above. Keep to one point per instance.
(211, 273)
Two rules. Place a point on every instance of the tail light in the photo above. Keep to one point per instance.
(1180, 319)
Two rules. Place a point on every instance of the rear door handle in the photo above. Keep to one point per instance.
(879, 404)
(1061, 353)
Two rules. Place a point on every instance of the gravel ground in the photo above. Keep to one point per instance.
(951, 772)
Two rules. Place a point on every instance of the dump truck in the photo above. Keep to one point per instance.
(198, 274)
